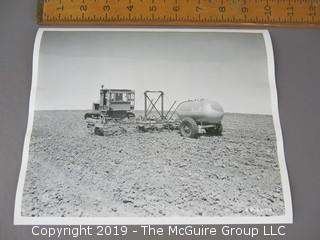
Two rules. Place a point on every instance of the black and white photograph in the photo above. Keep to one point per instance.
(163, 126)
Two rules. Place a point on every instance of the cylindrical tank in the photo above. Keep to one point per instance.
(201, 110)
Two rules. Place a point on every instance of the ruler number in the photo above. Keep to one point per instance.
(176, 8)
(267, 10)
(312, 11)
(153, 8)
(130, 8)
(222, 9)
(290, 11)
(106, 8)
(244, 10)
(60, 8)
(198, 8)
(83, 8)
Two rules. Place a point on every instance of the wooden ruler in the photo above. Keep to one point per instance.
(294, 13)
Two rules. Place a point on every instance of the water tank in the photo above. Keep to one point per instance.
(201, 110)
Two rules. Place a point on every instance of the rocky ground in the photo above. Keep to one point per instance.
(72, 173)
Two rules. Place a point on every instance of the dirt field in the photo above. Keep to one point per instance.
(72, 173)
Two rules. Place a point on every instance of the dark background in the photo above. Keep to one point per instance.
(297, 58)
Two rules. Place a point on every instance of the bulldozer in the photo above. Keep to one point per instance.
(116, 104)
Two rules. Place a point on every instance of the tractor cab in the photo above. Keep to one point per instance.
(114, 104)
(116, 100)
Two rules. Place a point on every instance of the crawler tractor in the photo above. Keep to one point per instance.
(114, 104)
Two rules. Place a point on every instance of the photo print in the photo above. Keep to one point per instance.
(153, 126)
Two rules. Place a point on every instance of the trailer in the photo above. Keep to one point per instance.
(200, 116)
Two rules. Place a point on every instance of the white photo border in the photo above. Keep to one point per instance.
(287, 218)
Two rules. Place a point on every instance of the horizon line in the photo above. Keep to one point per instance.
(143, 110)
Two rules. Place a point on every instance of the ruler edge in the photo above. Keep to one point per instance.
(42, 22)
(175, 24)
(40, 11)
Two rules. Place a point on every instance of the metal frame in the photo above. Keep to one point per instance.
(150, 104)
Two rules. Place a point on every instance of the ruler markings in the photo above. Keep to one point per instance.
(194, 12)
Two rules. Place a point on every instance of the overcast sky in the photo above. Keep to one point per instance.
(230, 68)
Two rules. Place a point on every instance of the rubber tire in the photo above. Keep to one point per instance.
(219, 130)
(215, 131)
(191, 125)
(211, 131)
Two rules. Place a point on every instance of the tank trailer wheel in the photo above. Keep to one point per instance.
(215, 131)
(189, 128)
(219, 129)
